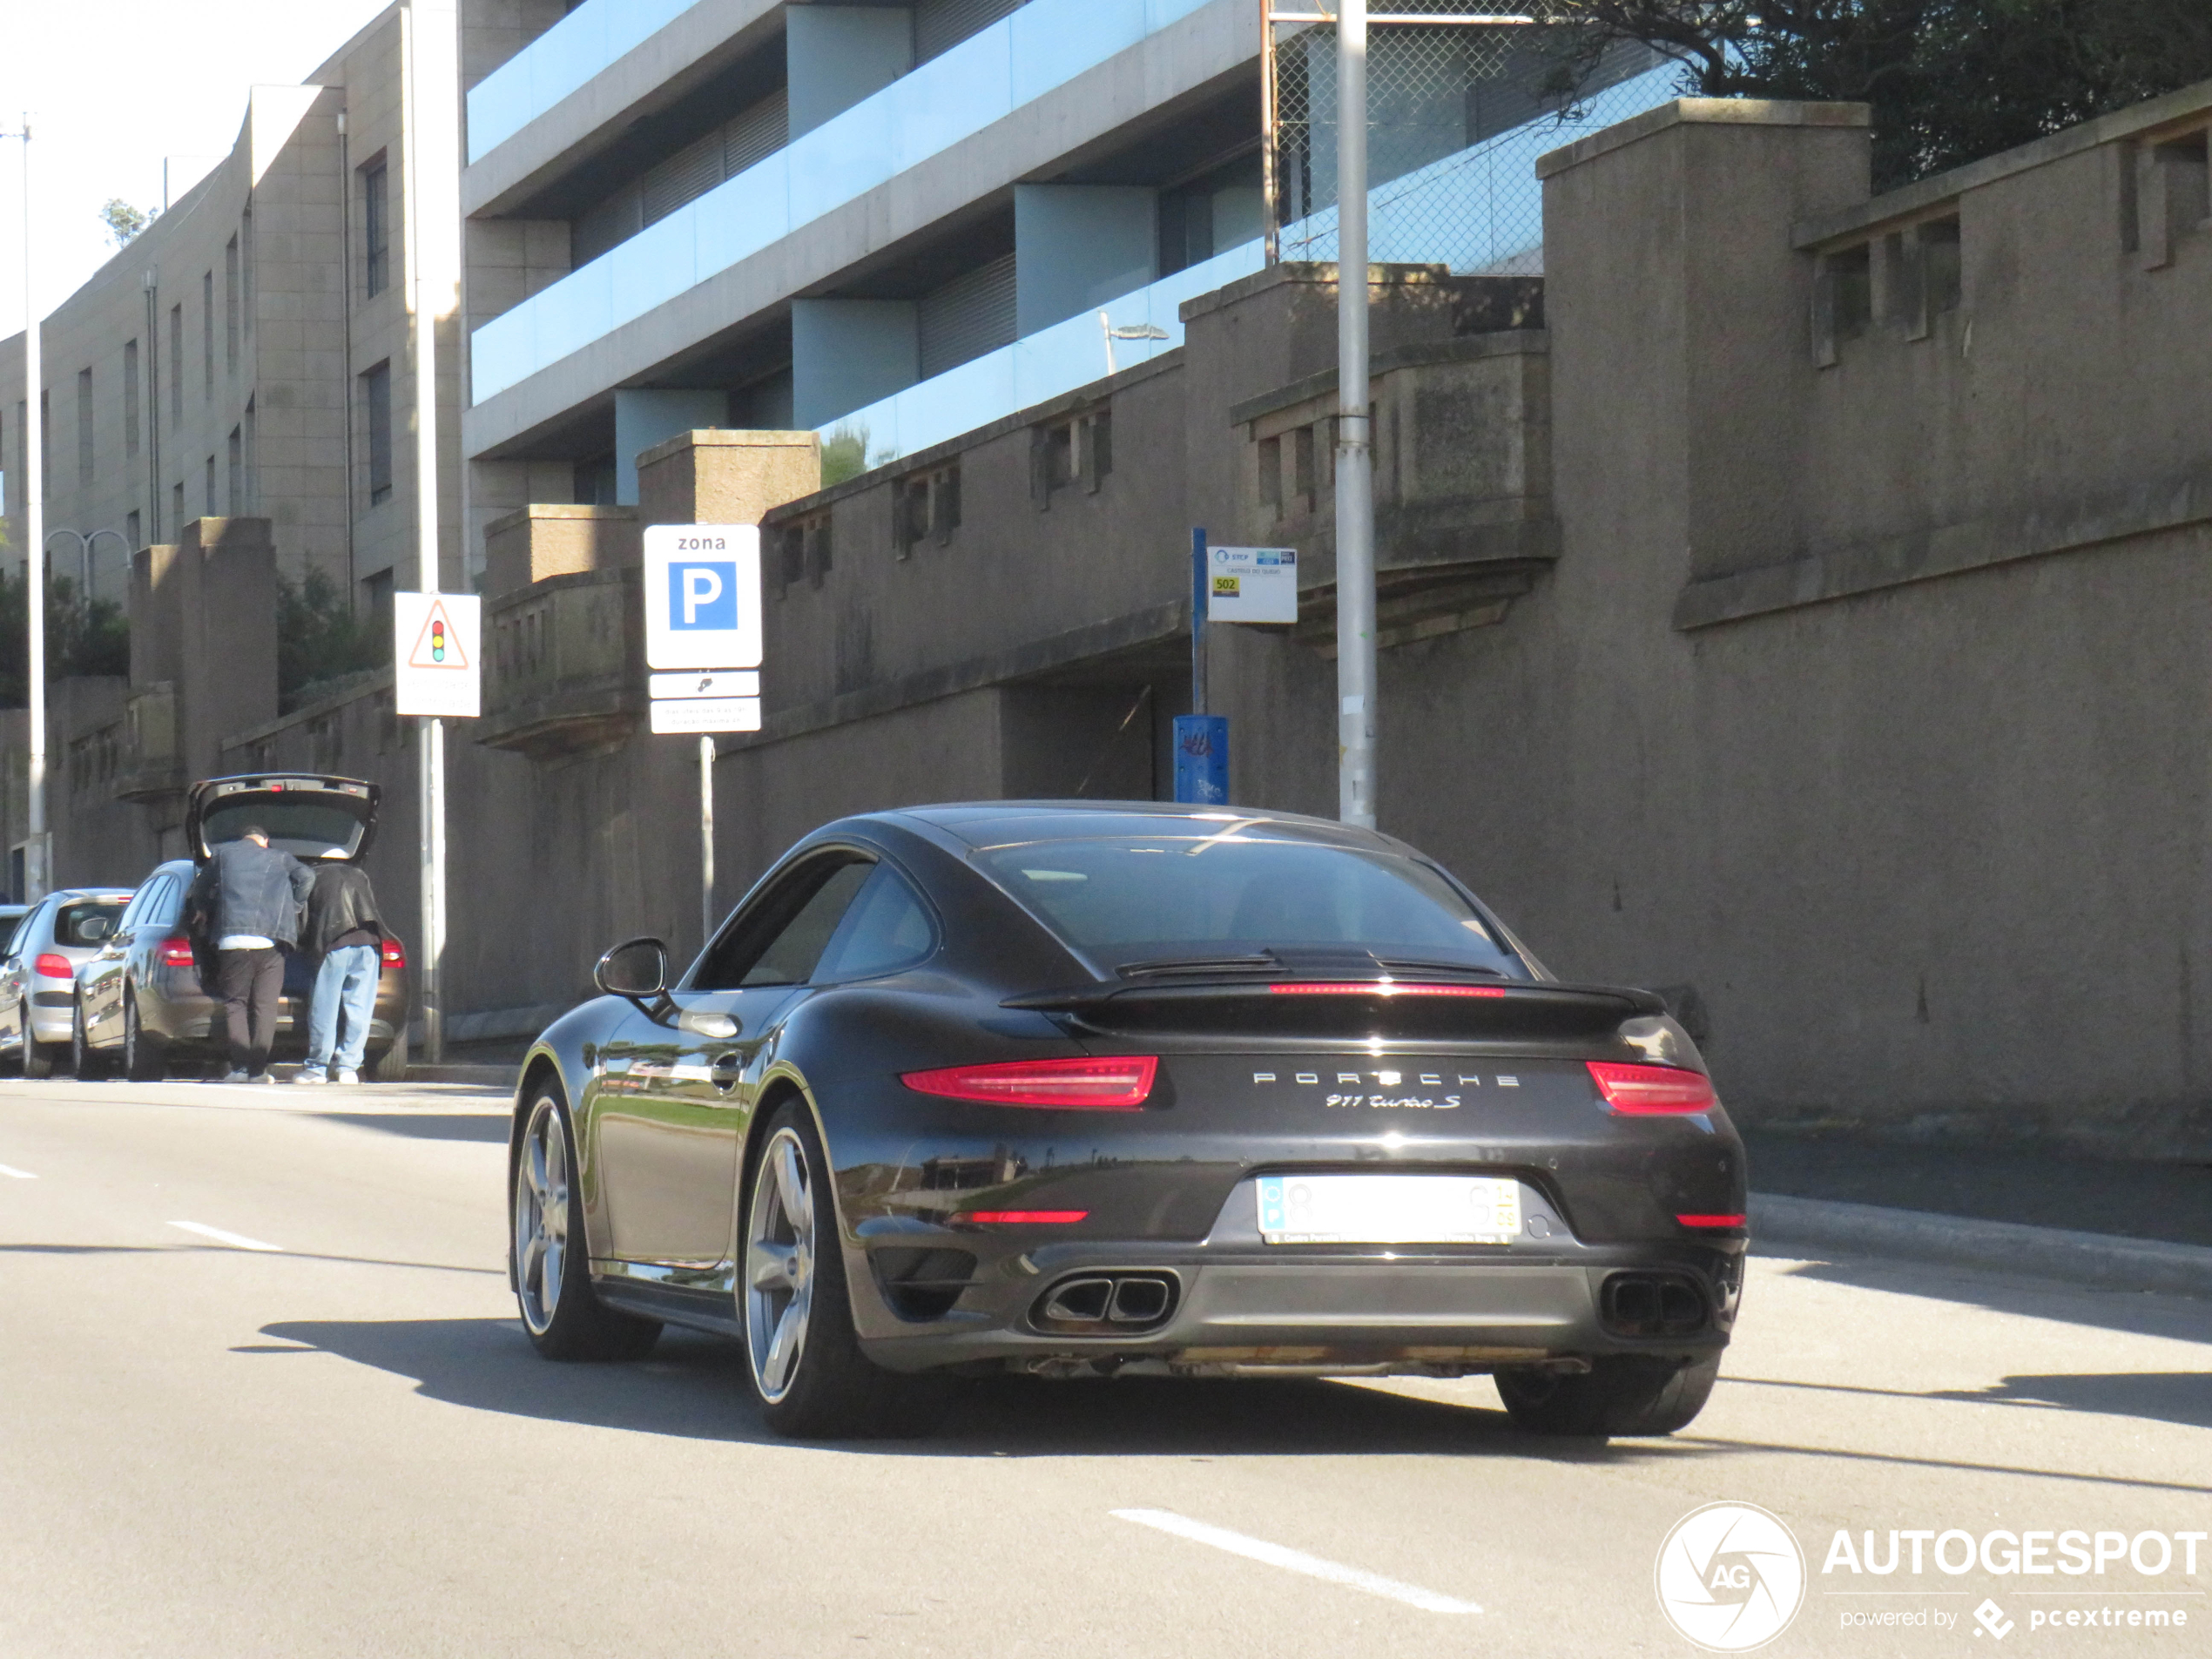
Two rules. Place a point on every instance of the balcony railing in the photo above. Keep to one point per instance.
(567, 663)
(153, 762)
(989, 75)
(559, 62)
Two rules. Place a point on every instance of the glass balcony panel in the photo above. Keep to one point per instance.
(1044, 44)
(560, 61)
(653, 266)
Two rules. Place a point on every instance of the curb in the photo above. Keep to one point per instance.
(489, 1076)
(2100, 1259)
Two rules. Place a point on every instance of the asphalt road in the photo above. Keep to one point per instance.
(343, 1445)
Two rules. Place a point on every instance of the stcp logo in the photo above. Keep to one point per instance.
(1730, 1577)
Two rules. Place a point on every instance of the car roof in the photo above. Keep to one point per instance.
(93, 893)
(1004, 823)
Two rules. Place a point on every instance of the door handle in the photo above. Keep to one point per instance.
(726, 1070)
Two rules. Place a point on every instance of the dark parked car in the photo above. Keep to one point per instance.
(140, 1000)
(55, 938)
(1088, 1090)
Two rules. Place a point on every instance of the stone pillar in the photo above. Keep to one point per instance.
(719, 477)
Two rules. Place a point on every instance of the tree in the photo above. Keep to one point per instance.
(1950, 81)
(123, 221)
(80, 639)
(320, 639)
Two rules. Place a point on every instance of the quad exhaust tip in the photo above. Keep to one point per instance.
(1107, 1304)
(1652, 1305)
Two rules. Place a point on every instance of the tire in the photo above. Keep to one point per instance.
(801, 1351)
(1619, 1394)
(39, 1059)
(11, 1060)
(390, 1065)
(146, 1059)
(562, 1315)
(88, 1062)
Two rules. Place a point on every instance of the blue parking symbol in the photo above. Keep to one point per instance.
(703, 596)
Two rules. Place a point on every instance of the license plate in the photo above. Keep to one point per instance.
(1388, 1210)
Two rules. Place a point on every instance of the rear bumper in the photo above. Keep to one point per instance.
(1255, 1309)
(190, 1022)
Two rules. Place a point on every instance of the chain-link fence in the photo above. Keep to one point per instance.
(1457, 114)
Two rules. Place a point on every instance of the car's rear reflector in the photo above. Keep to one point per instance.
(1712, 1221)
(1026, 1218)
(1378, 987)
(176, 953)
(48, 966)
(1645, 1091)
(1116, 1083)
(392, 954)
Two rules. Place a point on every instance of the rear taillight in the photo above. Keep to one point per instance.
(391, 952)
(1116, 1085)
(176, 953)
(1726, 1224)
(48, 966)
(1379, 988)
(1025, 1217)
(1647, 1091)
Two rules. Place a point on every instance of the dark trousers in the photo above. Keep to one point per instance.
(251, 983)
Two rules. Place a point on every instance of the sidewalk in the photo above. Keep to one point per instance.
(2122, 1226)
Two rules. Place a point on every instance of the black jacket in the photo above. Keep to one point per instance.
(342, 900)
(246, 888)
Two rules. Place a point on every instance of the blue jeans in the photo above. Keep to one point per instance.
(345, 983)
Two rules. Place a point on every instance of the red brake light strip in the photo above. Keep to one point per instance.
(1026, 1218)
(1083, 1083)
(1712, 1221)
(1651, 1091)
(1378, 987)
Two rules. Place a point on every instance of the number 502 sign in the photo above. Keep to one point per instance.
(703, 596)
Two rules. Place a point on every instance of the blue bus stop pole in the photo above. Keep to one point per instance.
(1201, 739)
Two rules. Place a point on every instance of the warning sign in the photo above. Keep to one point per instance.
(435, 637)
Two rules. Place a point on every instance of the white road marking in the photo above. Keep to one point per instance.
(20, 1174)
(237, 1241)
(1294, 1561)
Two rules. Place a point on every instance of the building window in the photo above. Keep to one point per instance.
(177, 508)
(134, 531)
(130, 397)
(252, 498)
(376, 395)
(1076, 450)
(207, 501)
(376, 242)
(230, 306)
(176, 362)
(83, 428)
(245, 270)
(804, 552)
(207, 334)
(238, 472)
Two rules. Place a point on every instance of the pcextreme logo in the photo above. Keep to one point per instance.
(1730, 1577)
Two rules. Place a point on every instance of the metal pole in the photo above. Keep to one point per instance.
(432, 749)
(1270, 145)
(1197, 622)
(1355, 459)
(707, 839)
(33, 565)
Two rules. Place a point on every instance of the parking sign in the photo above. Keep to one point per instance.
(703, 596)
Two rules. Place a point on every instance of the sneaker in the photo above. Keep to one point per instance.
(307, 1075)
(350, 1078)
(235, 1074)
(262, 1077)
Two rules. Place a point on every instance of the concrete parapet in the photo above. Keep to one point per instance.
(555, 538)
(718, 476)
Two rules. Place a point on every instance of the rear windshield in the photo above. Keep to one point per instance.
(86, 922)
(1124, 900)
(300, 826)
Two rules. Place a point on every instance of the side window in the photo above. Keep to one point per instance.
(887, 928)
(145, 904)
(161, 908)
(779, 940)
(135, 911)
(21, 935)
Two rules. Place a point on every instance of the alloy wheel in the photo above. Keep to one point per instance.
(779, 1264)
(541, 1216)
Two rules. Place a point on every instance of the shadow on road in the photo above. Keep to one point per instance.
(2139, 1312)
(696, 1386)
(431, 1126)
(2184, 1397)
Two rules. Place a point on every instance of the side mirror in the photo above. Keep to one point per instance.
(636, 971)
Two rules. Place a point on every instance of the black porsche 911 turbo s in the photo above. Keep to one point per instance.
(1077, 1090)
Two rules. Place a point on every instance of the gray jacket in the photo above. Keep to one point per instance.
(250, 889)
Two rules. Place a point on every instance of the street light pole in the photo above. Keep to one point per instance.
(1355, 494)
(34, 560)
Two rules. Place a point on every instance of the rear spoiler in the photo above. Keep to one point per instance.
(1413, 1009)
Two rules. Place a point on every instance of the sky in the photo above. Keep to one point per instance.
(114, 87)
